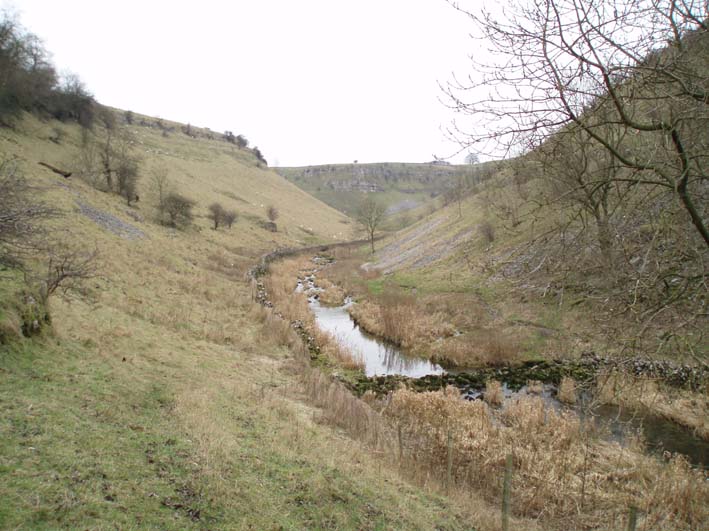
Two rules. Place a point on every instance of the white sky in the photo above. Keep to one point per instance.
(309, 82)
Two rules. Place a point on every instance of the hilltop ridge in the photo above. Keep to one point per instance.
(400, 186)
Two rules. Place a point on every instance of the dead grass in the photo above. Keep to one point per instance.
(331, 294)
(397, 317)
(160, 401)
(562, 475)
(335, 351)
(535, 387)
(567, 390)
(478, 347)
(280, 284)
(493, 393)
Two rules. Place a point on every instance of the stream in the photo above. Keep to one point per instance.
(380, 357)
(385, 359)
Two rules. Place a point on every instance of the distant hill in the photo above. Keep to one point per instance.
(400, 185)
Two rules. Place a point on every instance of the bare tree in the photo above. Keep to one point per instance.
(582, 178)
(607, 102)
(642, 62)
(66, 270)
(272, 213)
(456, 192)
(370, 215)
(109, 162)
(21, 214)
(161, 185)
(216, 214)
(178, 209)
(229, 217)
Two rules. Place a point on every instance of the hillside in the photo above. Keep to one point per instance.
(160, 396)
(400, 186)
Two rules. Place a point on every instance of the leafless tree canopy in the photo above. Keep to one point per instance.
(370, 215)
(178, 209)
(632, 74)
(20, 214)
(216, 214)
(607, 105)
(272, 213)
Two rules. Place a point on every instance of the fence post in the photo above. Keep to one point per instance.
(450, 461)
(632, 518)
(401, 448)
(506, 487)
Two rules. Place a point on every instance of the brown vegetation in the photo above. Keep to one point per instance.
(567, 390)
(562, 474)
(396, 317)
(494, 394)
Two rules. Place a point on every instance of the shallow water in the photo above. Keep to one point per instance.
(379, 357)
(658, 433)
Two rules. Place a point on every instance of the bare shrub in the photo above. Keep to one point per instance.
(229, 217)
(216, 214)
(272, 213)
(178, 209)
(109, 162)
(162, 188)
(493, 393)
(66, 270)
(487, 232)
(20, 214)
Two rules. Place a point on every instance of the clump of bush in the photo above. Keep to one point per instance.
(487, 232)
(178, 210)
(220, 216)
(29, 81)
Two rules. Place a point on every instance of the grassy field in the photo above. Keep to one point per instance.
(158, 399)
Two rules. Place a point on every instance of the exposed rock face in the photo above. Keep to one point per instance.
(354, 185)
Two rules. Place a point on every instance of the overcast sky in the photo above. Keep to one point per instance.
(309, 82)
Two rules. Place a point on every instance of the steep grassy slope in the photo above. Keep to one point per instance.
(202, 169)
(158, 400)
(401, 186)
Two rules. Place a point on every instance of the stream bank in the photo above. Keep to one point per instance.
(388, 369)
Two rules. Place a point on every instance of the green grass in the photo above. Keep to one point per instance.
(156, 401)
(84, 445)
(81, 447)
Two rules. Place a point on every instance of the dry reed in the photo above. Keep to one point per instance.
(567, 390)
(535, 387)
(398, 319)
(493, 393)
(562, 474)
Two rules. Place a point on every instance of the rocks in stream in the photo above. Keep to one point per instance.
(582, 370)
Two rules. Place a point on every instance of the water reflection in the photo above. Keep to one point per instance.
(380, 358)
